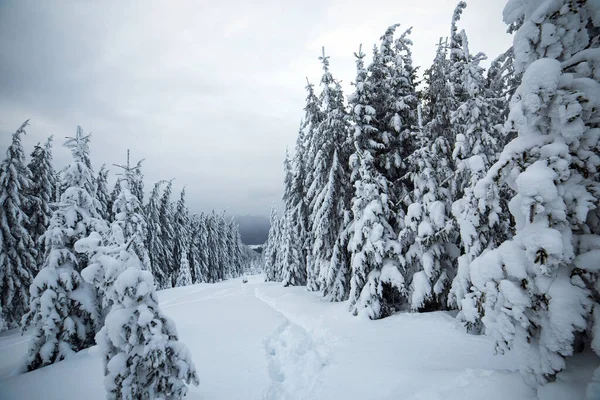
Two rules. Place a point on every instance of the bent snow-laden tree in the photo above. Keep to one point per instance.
(143, 357)
(534, 293)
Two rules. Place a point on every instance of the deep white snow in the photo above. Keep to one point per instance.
(262, 341)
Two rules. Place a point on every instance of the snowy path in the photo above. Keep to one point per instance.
(261, 341)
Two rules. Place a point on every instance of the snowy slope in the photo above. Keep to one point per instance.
(261, 341)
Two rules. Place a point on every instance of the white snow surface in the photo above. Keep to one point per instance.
(262, 341)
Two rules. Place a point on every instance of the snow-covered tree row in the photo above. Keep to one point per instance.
(80, 265)
(477, 191)
(177, 247)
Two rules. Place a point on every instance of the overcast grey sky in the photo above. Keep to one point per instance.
(208, 92)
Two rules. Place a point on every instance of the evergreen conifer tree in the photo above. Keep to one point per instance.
(534, 292)
(182, 243)
(102, 194)
(17, 248)
(143, 357)
(167, 237)
(41, 196)
(64, 312)
(128, 213)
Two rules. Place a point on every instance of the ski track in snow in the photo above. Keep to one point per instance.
(295, 360)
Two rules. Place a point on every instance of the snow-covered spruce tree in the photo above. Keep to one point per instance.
(239, 247)
(214, 252)
(271, 248)
(182, 243)
(383, 130)
(477, 145)
(330, 223)
(329, 189)
(64, 313)
(502, 82)
(195, 250)
(298, 203)
(102, 194)
(313, 116)
(223, 255)
(17, 249)
(128, 213)
(41, 194)
(428, 238)
(231, 265)
(143, 357)
(438, 100)
(202, 268)
(534, 292)
(371, 245)
(428, 235)
(138, 182)
(167, 236)
(458, 58)
(279, 235)
(393, 95)
(113, 197)
(154, 234)
(291, 246)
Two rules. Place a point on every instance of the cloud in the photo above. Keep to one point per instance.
(209, 93)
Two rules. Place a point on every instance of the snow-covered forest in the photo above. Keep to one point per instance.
(448, 212)
(473, 190)
(80, 264)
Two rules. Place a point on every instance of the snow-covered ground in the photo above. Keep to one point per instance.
(262, 341)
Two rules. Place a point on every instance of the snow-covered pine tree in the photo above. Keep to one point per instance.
(143, 357)
(214, 252)
(128, 213)
(236, 256)
(428, 239)
(167, 237)
(313, 116)
(113, 197)
(41, 195)
(534, 293)
(329, 226)
(293, 273)
(329, 189)
(137, 182)
(372, 239)
(64, 313)
(298, 202)
(502, 82)
(154, 234)
(195, 250)
(17, 248)
(239, 247)
(57, 186)
(428, 236)
(371, 233)
(279, 235)
(203, 266)
(231, 266)
(393, 96)
(438, 99)
(102, 194)
(271, 248)
(459, 54)
(182, 243)
(477, 144)
(222, 245)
